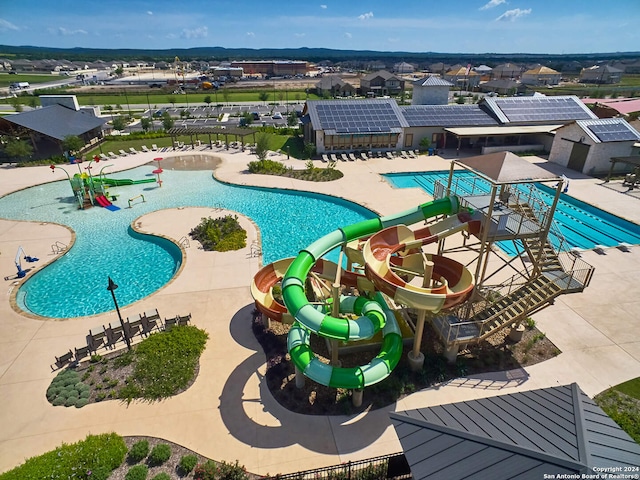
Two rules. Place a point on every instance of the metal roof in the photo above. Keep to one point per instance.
(561, 108)
(446, 115)
(609, 130)
(56, 121)
(556, 430)
(431, 81)
(356, 116)
(506, 167)
(198, 130)
(501, 130)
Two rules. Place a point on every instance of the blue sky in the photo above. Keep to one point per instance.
(458, 26)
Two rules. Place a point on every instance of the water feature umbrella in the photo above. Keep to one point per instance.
(158, 171)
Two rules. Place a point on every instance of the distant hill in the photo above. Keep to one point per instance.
(309, 54)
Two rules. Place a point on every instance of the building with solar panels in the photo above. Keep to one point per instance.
(587, 146)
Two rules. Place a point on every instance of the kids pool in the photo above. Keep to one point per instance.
(75, 284)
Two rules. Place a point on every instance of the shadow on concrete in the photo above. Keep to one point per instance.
(314, 432)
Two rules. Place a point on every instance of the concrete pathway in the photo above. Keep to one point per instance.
(228, 413)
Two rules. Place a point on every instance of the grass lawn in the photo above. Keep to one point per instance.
(631, 388)
(622, 404)
(7, 79)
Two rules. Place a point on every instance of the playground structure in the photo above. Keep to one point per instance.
(467, 291)
(90, 190)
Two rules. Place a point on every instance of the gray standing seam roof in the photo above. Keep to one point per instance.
(523, 435)
(57, 121)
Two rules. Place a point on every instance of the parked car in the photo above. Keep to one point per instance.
(277, 116)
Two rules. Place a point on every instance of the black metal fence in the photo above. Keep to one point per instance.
(393, 466)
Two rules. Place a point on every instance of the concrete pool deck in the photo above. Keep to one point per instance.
(228, 413)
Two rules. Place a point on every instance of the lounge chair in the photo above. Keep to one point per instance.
(343, 157)
(363, 156)
(411, 154)
(133, 326)
(183, 319)
(133, 150)
(122, 153)
(150, 321)
(112, 155)
(403, 154)
(169, 323)
(389, 156)
(352, 157)
(62, 361)
(325, 159)
(154, 147)
(333, 157)
(80, 353)
(145, 149)
(103, 157)
(114, 335)
(96, 339)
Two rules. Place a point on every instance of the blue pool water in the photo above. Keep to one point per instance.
(75, 284)
(581, 224)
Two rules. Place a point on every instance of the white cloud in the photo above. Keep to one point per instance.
(65, 32)
(149, 12)
(299, 35)
(511, 15)
(492, 3)
(251, 34)
(5, 25)
(348, 35)
(324, 7)
(366, 16)
(199, 32)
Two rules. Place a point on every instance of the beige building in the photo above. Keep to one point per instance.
(541, 76)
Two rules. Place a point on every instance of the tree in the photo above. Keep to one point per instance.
(225, 95)
(19, 149)
(207, 100)
(146, 123)
(172, 100)
(72, 144)
(33, 101)
(309, 149)
(425, 143)
(246, 119)
(262, 145)
(119, 123)
(167, 121)
(184, 113)
(119, 70)
(292, 119)
(263, 97)
(16, 104)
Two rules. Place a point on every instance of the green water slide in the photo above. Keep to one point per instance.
(117, 182)
(374, 313)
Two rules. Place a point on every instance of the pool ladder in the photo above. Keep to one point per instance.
(58, 247)
(184, 241)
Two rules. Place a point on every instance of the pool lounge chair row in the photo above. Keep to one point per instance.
(132, 151)
(353, 156)
(108, 337)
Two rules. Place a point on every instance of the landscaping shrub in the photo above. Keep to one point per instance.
(162, 476)
(206, 471)
(187, 463)
(220, 234)
(139, 451)
(231, 471)
(92, 458)
(67, 389)
(137, 472)
(160, 454)
(268, 167)
(165, 363)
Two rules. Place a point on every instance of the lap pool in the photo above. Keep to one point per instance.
(75, 284)
(582, 225)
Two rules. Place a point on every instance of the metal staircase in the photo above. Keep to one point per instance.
(553, 272)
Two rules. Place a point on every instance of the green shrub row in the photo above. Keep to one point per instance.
(211, 470)
(67, 389)
(93, 458)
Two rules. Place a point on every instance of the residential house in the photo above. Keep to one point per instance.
(403, 68)
(334, 86)
(503, 86)
(381, 83)
(506, 70)
(541, 76)
(601, 74)
(462, 77)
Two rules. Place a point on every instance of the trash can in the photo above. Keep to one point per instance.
(431, 151)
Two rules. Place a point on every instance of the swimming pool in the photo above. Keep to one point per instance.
(75, 284)
(582, 225)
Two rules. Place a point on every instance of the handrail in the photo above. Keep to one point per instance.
(137, 196)
(184, 241)
(58, 247)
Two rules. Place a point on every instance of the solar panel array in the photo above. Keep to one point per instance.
(362, 117)
(542, 109)
(447, 116)
(612, 132)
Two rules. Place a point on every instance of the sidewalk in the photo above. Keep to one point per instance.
(228, 413)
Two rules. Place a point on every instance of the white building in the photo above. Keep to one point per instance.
(431, 90)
